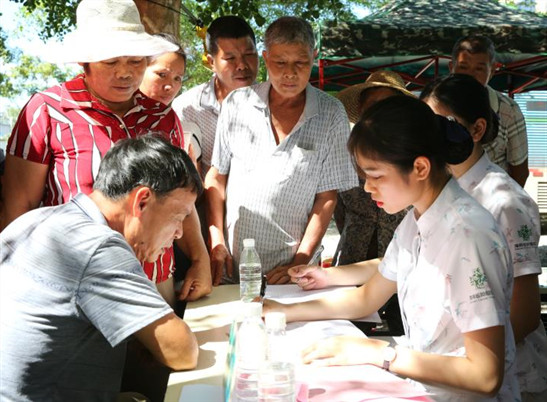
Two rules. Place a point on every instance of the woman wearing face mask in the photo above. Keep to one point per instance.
(448, 262)
(466, 100)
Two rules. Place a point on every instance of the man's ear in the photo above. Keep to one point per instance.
(140, 199)
(211, 61)
(478, 129)
(422, 168)
(451, 66)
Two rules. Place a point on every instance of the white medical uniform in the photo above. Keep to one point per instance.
(454, 275)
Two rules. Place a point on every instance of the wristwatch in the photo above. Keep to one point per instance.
(389, 354)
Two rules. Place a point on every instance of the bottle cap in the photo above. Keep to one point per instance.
(248, 242)
(275, 320)
(252, 309)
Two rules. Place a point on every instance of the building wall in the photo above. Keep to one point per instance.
(534, 107)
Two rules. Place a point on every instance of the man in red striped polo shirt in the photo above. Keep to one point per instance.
(63, 132)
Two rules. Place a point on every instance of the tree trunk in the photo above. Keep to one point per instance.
(160, 16)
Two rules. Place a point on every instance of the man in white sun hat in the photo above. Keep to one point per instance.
(63, 132)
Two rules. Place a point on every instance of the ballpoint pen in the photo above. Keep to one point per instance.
(263, 286)
(317, 253)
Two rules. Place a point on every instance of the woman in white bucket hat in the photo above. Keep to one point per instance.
(106, 29)
(62, 133)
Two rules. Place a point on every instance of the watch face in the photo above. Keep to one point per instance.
(389, 354)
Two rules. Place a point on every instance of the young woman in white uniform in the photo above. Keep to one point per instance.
(517, 214)
(448, 262)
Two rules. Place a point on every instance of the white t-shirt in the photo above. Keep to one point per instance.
(454, 275)
(199, 108)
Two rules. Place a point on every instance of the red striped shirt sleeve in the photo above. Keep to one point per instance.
(29, 137)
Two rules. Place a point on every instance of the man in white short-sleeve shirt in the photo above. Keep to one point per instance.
(232, 55)
(279, 158)
(468, 289)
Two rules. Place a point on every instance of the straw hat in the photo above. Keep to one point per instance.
(384, 78)
(106, 29)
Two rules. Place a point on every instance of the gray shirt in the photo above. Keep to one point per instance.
(71, 292)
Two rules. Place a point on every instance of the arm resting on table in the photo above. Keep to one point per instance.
(171, 342)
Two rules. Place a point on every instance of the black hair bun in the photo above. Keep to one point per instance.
(458, 141)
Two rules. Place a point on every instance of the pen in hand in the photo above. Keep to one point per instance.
(317, 253)
(263, 286)
(314, 257)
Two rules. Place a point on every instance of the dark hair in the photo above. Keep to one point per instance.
(150, 161)
(467, 99)
(399, 129)
(230, 27)
(171, 39)
(289, 30)
(474, 44)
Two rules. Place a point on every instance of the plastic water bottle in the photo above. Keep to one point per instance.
(276, 381)
(230, 371)
(250, 353)
(250, 272)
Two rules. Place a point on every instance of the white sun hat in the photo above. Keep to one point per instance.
(106, 29)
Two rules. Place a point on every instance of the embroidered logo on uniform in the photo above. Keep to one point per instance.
(478, 279)
(524, 232)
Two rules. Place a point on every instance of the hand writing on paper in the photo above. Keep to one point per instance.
(220, 256)
(309, 277)
(344, 351)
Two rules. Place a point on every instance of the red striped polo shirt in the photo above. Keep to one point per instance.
(68, 129)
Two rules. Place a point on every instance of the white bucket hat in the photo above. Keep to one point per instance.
(106, 29)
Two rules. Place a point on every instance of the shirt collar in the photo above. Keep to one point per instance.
(429, 220)
(208, 98)
(89, 208)
(74, 95)
(493, 98)
(469, 180)
(311, 107)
